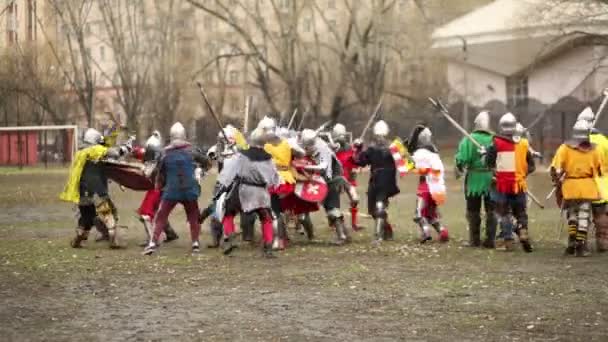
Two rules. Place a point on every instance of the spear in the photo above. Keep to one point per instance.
(211, 111)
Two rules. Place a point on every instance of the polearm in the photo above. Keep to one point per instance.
(302, 120)
(293, 116)
(246, 118)
(601, 108)
(371, 118)
(211, 111)
(441, 108)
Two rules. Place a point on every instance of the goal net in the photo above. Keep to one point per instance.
(37, 145)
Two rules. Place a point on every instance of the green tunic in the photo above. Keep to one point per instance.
(479, 177)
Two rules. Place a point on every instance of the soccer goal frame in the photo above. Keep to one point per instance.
(74, 128)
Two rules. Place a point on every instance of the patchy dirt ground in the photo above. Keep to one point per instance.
(313, 291)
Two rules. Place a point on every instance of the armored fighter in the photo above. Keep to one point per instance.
(244, 185)
(382, 179)
(478, 182)
(87, 186)
(511, 160)
(574, 169)
(431, 192)
(150, 155)
(326, 163)
(177, 179)
(345, 154)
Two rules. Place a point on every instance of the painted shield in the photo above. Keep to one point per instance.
(313, 190)
(220, 207)
(129, 175)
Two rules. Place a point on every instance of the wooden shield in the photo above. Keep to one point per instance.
(129, 175)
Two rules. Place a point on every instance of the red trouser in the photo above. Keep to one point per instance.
(265, 218)
(162, 218)
(150, 203)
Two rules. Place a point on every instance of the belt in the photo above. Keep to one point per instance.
(259, 185)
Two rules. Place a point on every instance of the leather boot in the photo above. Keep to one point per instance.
(267, 251)
(524, 239)
(388, 232)
(474, 229)
(81, 235)
(229, 244)
(582, 250)
(170, 234)
(216, 234)
(102, 230)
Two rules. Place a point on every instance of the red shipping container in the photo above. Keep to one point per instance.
(19, 148)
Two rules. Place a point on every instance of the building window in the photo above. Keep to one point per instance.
(235, 106)
(102, 53)
(517, 91)
(233, 77)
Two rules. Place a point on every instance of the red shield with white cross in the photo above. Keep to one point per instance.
(313, 190)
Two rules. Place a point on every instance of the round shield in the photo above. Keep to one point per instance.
(314, 190)
(220, 207)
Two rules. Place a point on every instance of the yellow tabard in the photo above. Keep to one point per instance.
(582, 170)
(281, 155)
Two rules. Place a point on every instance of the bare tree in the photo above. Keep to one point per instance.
(124, 23)
(73, 57)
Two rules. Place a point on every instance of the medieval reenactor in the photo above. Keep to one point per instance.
(244, 184)
(600, 207)
(87, 186)
(177, 179)
(150, 155)
(345, 154)
(382, 180)
(478, 182)
(431, 192)
(324, 161)
(512, 162)
(574, 169)
(226, 147)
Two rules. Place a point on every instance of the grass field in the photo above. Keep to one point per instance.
(313, 291)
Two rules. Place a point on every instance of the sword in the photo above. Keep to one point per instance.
(601, 108)
(302, 121)
(535, 200)
(217, 119)
(293, 116)
(371, 118)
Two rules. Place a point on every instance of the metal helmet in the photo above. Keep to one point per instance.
(154, 141)
(425, 137)
(257, 138)
(586, 115)
(338, 132)
(177, 132)
(507, 124)
(230, 132)
(482, 122)
(581, 130)
(92, 137)
(380, 129)
(308, 137)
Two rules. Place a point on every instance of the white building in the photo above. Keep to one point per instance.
(518, 51)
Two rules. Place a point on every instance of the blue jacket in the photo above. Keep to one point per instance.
(176, 174)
